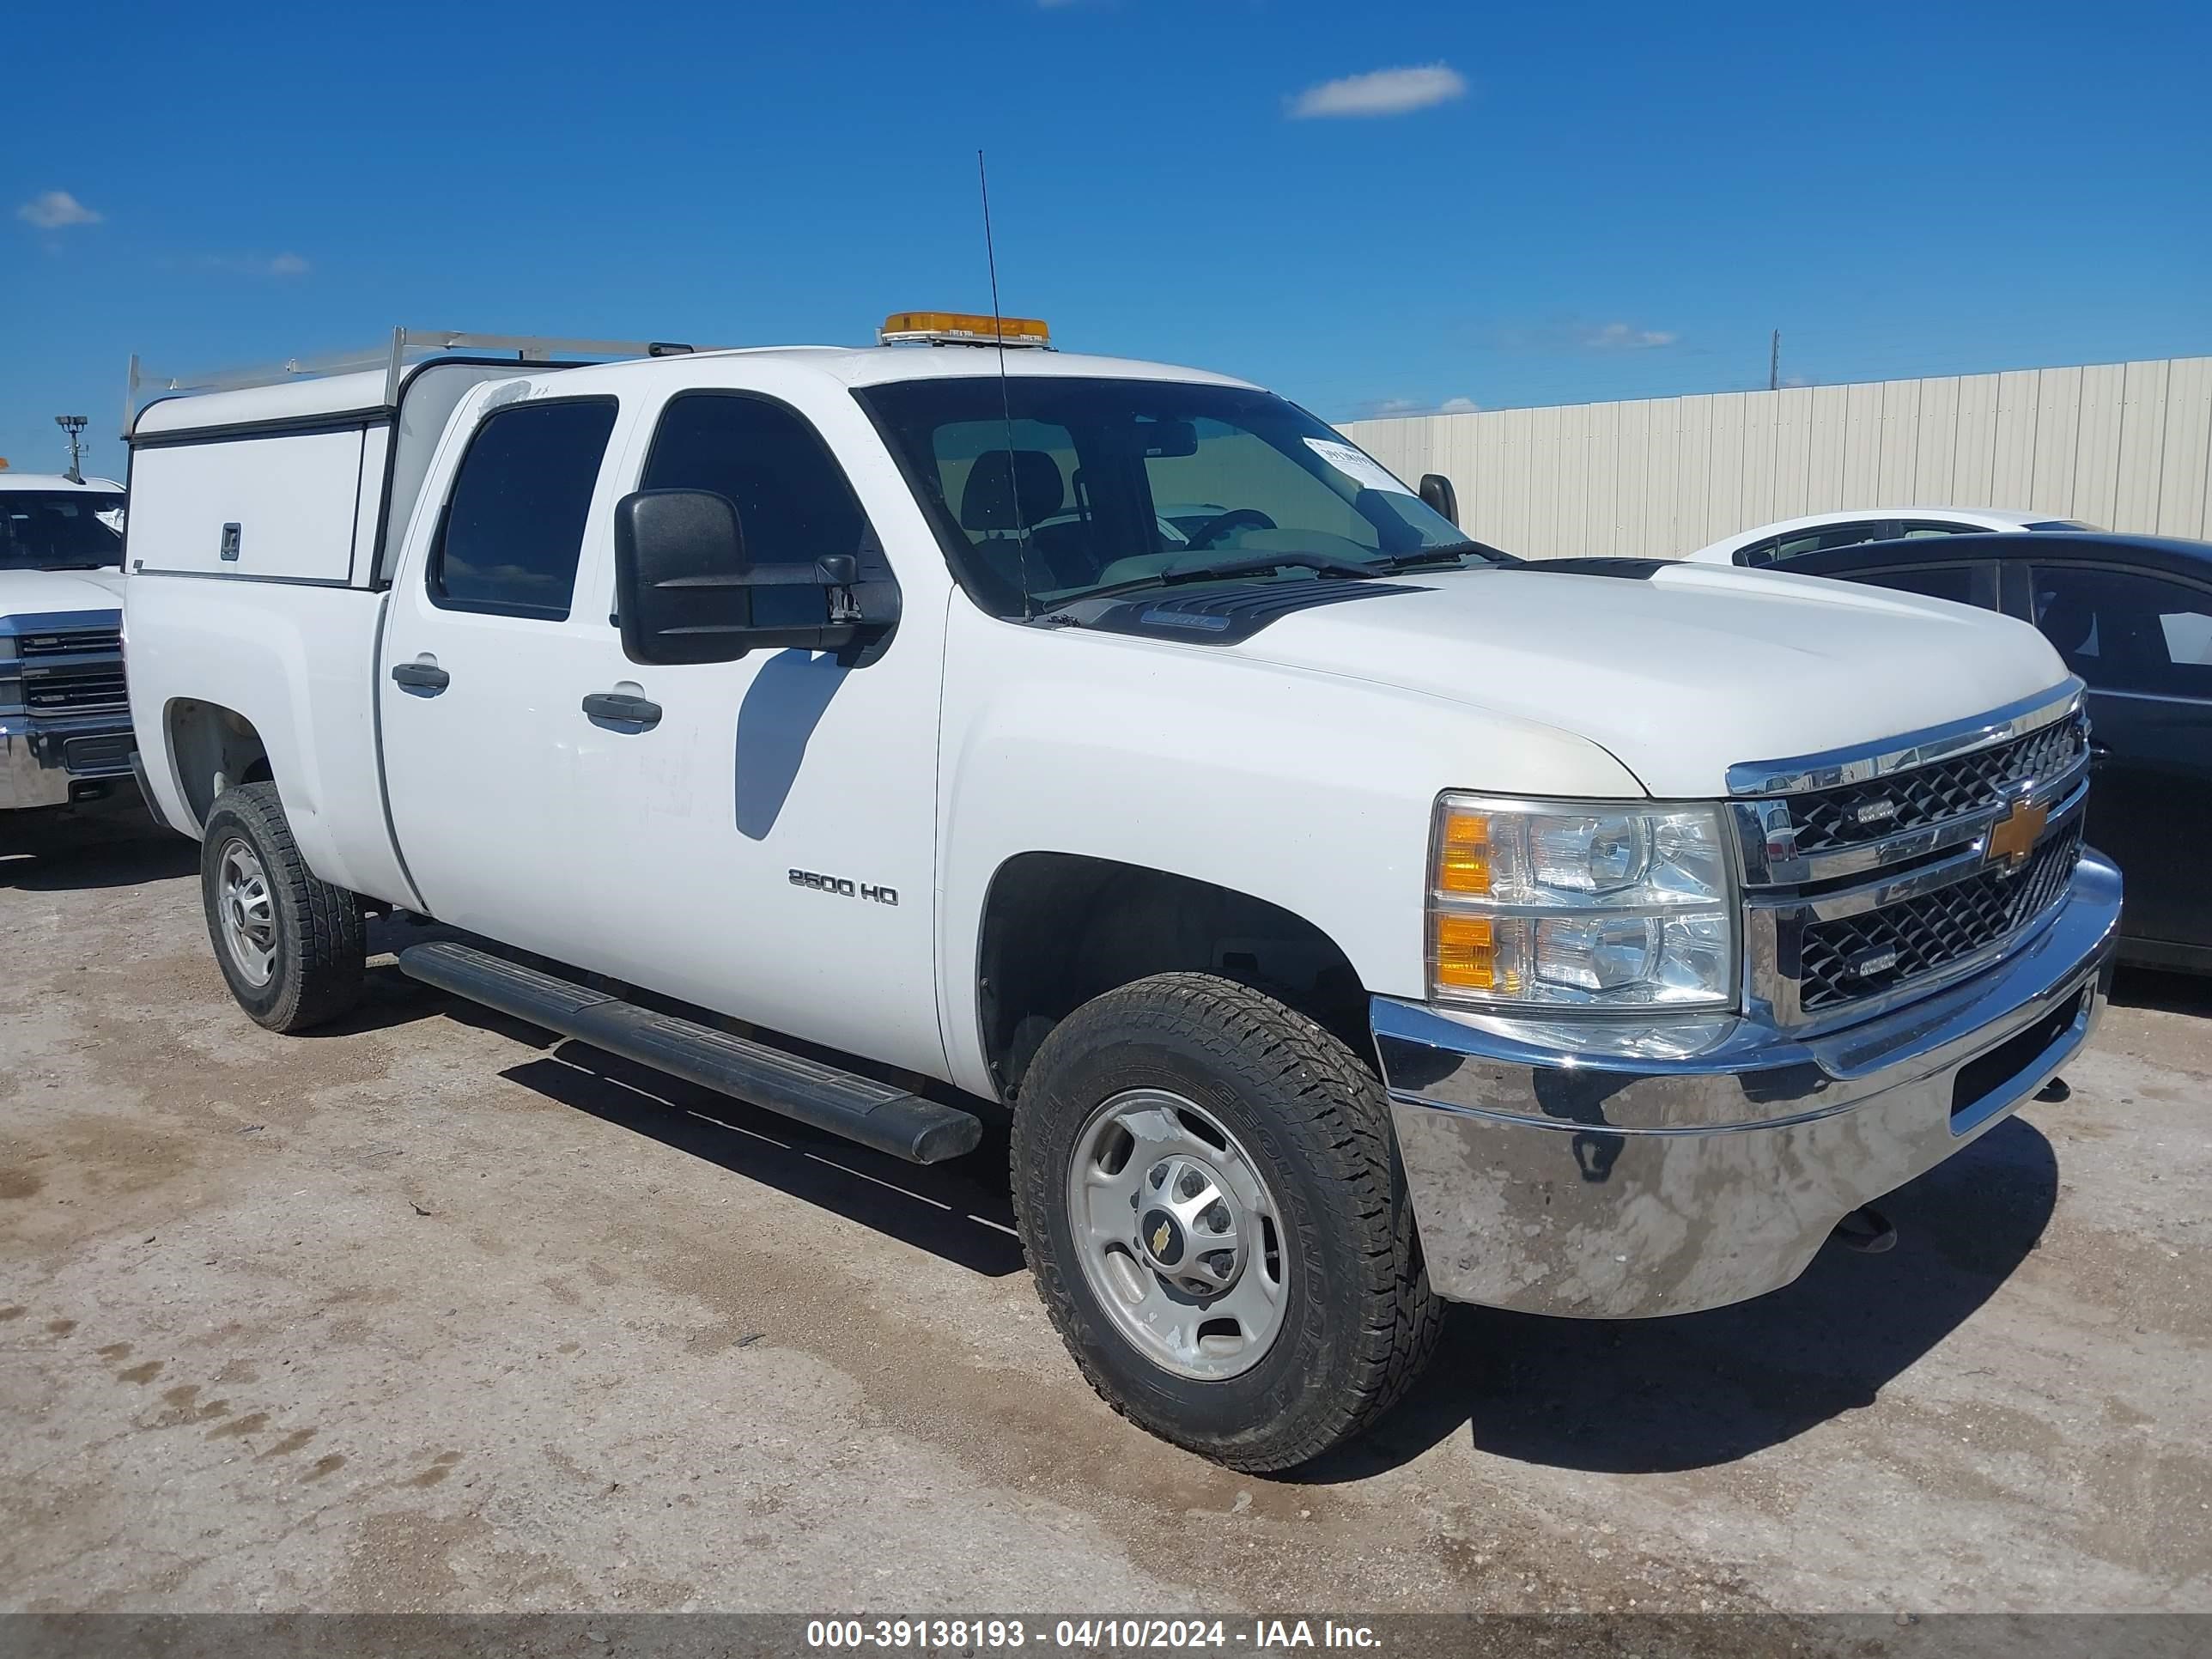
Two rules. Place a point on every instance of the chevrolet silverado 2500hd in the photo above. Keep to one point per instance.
(64, 722)
(1348, 917)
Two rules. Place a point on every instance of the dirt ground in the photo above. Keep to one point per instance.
(433, 1312)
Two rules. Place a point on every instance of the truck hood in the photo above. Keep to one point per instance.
(1681, 673)
(50, 592)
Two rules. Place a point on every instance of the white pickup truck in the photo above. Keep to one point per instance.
(64, 721)
(1348, 917)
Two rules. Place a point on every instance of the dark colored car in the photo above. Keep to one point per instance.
(2132, 615)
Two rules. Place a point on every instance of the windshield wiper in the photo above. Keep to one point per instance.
(1451, 553)
(1322, 564)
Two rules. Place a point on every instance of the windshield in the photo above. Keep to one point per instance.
(1093, 484)
(59, 530)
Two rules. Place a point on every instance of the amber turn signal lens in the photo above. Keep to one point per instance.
(1463, 854)
(1466, 953)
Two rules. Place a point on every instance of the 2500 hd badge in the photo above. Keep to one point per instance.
(844, 887)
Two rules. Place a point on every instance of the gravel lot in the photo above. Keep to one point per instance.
(433, 1312)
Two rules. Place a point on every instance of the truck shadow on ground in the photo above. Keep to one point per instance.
(961, 1212)
(2165, 993)
(1663, 1395)
(1614, 1397)
(83, 858)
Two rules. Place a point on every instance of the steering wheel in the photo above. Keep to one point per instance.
(1238, 518)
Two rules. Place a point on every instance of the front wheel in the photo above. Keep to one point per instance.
(291, 945)
(1209, 1201)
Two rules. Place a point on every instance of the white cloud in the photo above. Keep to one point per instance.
(55, 209)
(255, 265)
(1383, 91)
(1620, 336)
(1383, 407)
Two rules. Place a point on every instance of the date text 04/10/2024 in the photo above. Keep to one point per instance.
(1122, 1634)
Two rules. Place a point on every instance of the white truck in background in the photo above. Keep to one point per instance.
(65, 741)
(1348, 917)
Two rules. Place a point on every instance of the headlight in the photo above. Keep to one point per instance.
(1580, 905)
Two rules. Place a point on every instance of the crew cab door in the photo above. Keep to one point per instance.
(761, 840)
(486, 653)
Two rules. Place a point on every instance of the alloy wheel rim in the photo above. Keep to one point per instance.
(1179, 1238)
(248, 913)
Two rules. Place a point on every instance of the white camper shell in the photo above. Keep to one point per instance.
(248, 466)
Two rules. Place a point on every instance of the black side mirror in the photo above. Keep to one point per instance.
(1442, 499)
(684, 593)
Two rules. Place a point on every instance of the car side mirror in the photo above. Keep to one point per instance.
(685, 593)
(1441, 498)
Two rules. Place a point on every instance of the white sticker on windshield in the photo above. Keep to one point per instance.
(1366, 473)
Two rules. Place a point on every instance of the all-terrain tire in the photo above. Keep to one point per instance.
(319, 939)
(1360, 1320)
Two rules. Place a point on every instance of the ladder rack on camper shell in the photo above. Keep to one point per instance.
(407, 345)
(352, 434)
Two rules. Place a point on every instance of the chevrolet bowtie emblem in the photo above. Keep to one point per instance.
(1160, 1240)
(2013, 836)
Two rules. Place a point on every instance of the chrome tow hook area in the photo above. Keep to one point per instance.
(1867, 1230)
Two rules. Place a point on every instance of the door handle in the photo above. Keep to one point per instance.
(622, 707)
(421, 675)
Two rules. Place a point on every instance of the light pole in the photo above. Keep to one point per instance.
(72, 424)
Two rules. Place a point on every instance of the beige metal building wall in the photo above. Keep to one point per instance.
(2126, 446)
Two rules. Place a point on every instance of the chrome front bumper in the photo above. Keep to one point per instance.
(1712, 1166)
(43, 762)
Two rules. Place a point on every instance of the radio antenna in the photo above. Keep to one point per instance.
(1005, 398)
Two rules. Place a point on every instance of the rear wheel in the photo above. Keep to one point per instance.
(1209, 1199)
(291, 945)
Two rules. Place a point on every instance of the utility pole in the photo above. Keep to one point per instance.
(74, 425)
(1774, 362)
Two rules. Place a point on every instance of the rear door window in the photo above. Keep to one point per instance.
(1960, 583)
(1799, 542)
(514, 527)
(2127, 631)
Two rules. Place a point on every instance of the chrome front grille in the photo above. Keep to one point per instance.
(64, 644)
(1854, 956)
(1871, 877)
(72, 670)
(73, 693)
(1862, 812)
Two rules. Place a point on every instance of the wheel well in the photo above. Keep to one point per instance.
(1059, 929)
(214, 748)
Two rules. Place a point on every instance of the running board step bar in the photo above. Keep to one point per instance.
(882, 1116)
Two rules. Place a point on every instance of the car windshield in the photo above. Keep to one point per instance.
(1073, 487)
(59, 530)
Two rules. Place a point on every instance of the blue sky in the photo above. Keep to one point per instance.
(1366, 206)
